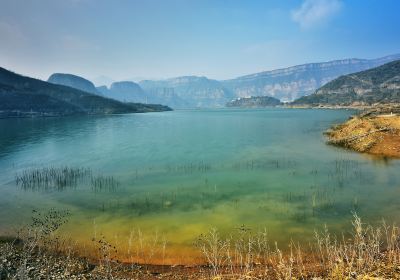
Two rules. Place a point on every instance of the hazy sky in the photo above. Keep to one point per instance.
(165, 38)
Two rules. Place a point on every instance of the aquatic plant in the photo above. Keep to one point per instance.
(104, 183)
(51, 178)
(62, 178)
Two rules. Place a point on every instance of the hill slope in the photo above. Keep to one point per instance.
(377, 85)
(73, 81)
(24, 96)
(290, 83)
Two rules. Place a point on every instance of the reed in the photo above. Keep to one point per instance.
(104, 183)
(368, 252)
(51, 178)
(62, 178)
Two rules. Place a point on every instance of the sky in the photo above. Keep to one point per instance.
(105, 40)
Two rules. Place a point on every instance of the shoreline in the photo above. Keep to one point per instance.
(375, 132)
(368, 252)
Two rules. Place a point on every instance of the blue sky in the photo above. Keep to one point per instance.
(131, 39)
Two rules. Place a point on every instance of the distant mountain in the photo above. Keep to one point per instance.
(187, 91)
(102, 80)
(377, 85)
(102, 90)
(73, 81)
(288, 84)
(254, 102)
(23, 96)
(126, 91)
(285, 84)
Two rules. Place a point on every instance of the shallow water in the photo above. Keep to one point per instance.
(181, 173)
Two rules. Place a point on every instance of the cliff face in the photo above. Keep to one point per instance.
(291, 83)
(73, 81)
(376, 85)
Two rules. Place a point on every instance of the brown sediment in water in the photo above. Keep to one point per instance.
(367, 253)
(378, 135)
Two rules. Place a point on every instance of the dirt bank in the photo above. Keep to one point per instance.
(375, 134)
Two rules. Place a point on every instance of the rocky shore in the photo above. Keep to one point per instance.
(374, 131)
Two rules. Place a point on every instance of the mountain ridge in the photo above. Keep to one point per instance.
(24, 96)
(286, 84)
(376, 85)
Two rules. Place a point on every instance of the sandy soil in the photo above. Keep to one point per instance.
(377, 135)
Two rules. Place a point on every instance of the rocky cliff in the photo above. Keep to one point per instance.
(377, 85)
(290, 83)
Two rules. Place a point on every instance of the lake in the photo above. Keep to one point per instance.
(176, 175)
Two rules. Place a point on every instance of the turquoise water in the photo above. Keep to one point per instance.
(181, 173)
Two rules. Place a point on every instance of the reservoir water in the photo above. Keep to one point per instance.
(178, 174)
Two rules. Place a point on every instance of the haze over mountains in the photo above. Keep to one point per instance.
(285, 84)
(73, 81)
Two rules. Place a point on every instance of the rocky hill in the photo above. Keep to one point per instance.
(378, 85)
(254, 102)
(73, 81)
(288, 84)
(23, 96)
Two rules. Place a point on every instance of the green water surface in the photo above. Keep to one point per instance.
(181, 173)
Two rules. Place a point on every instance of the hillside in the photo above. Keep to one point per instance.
(377, 85)
(254, 102)
(73, 81)
(24, 96)
(288, 84)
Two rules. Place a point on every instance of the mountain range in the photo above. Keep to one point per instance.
(291, 83)
(286, 84)
(22, 96)
(377, 85)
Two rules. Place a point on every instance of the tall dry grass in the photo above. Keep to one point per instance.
(367, 251)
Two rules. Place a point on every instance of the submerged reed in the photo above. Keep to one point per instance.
(48, 178)
(62, 178)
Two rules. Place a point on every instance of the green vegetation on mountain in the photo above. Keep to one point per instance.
(380, 85)
(23, 96)
(254, 102)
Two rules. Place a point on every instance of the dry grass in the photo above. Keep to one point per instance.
(377, 135)
(367, 253)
